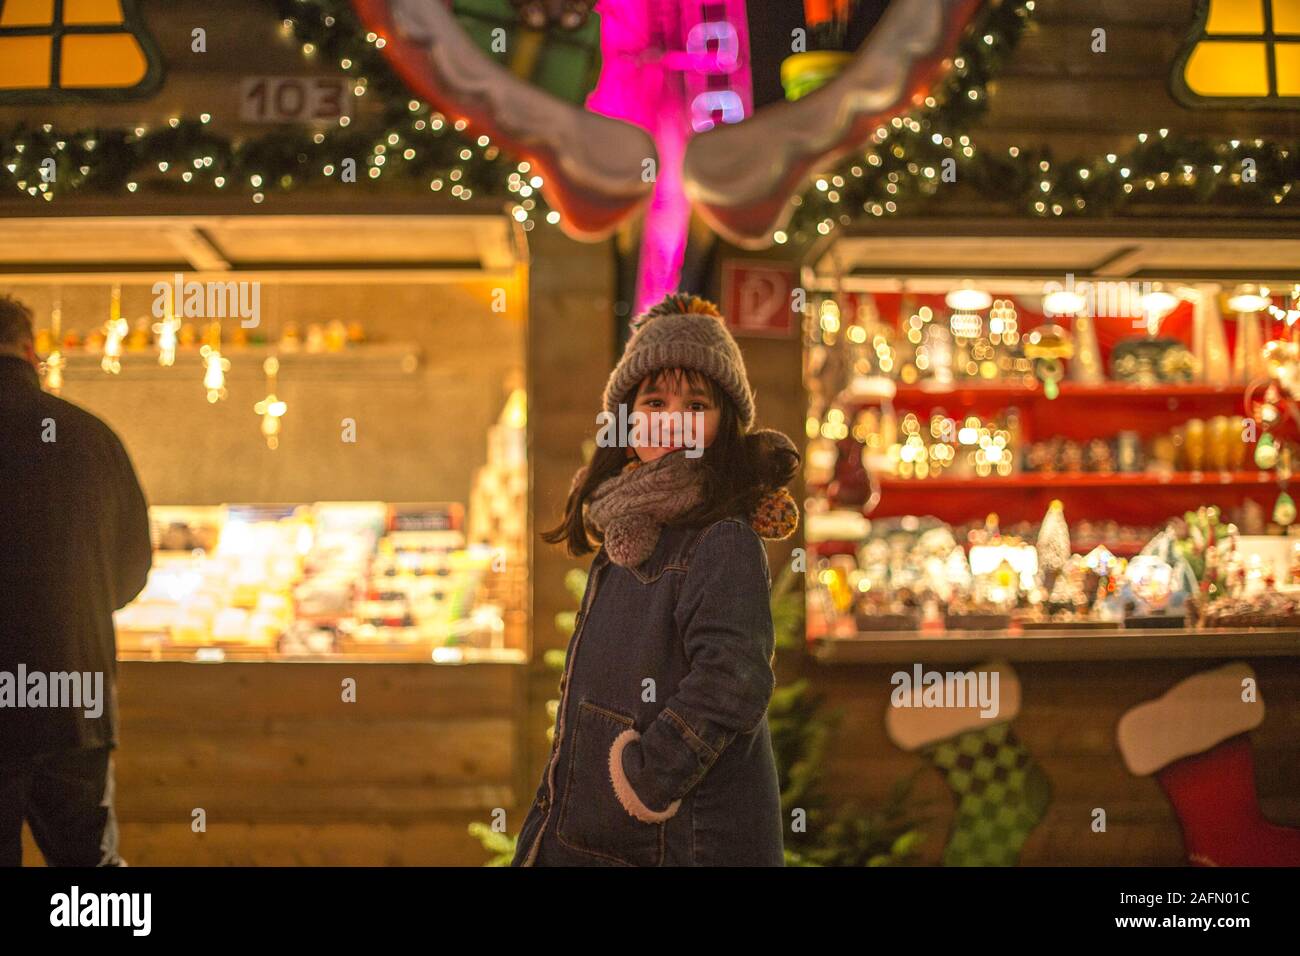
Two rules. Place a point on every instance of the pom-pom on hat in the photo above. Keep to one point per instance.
(682, 331)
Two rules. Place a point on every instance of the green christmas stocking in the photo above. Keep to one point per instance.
(1001, 792)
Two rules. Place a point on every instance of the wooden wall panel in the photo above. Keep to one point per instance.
(289, 774)
(1067, 721)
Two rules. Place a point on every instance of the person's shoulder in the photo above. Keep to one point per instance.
(86, 424)
(725, 537)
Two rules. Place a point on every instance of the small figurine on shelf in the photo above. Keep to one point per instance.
(138, 340)
(1053, 544)
(1041, 458)
(1068, 595)
(315, 337)
(336, 336)
(290, 340)
(1071, 458)
(1100, 457)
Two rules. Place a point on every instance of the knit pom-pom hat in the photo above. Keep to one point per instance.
(682, 331)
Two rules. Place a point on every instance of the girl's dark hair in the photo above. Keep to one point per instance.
(739, 469)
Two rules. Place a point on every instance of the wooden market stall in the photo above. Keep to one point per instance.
(332, 387)
(937, 441)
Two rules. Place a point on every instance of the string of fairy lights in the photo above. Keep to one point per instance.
(408, 141)
(905, 163)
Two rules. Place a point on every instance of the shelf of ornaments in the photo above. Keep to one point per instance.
(975, 483)
(1120, 547)
(1068, 392)
(364, 358)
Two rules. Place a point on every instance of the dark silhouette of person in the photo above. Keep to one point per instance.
(74, 547)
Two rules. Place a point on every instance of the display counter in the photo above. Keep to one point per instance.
(346, 581)
(1100, 644)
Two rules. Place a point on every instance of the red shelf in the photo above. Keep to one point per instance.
(1176, 480)
(1011, 392)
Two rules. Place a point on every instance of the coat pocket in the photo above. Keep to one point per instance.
(591, 817)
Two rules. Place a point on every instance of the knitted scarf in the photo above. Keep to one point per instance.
(631, 508)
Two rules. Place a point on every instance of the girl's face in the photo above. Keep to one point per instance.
(680, 412)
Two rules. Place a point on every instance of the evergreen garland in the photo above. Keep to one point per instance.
(409, 141)
(903, 167)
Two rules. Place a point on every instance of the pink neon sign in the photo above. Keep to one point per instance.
(674, 68)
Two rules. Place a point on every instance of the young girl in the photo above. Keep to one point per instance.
(662, 754)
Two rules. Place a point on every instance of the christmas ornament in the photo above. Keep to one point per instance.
(1195, 739)
(1047, 345)
(1265, 452)
(1284, 510)
(1282, 360)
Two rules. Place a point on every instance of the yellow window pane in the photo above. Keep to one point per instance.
(1288, 68)
(27, 13)
(1219, 68)
(91, 12)
(1235, 16)
(24, 63)
(111, 60)
(1286, 16)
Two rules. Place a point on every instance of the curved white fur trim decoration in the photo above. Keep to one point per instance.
(1194, 715)
(911, 728)
(623, 787)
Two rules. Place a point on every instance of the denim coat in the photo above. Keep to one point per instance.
(669, 671)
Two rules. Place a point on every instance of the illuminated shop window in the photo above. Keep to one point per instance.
(52, 49)
(1244, 51)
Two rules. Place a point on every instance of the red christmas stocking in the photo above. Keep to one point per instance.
(1195, 740)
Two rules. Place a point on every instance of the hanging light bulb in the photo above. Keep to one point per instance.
(1063, 302)
(271, 408)
(54, 362)
(166, 331)
(1249, 298)
(1156, 304)
(214, 373)
(968, 298)
(214, 366)
(115, 330)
